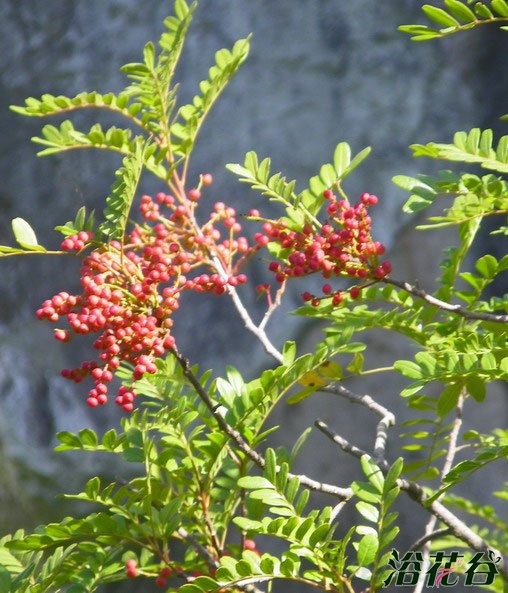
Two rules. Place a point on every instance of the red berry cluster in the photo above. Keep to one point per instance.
(76, 242)
(132, 572)
(131, 288)
(162, 579)
(342, 246)
(132, 569)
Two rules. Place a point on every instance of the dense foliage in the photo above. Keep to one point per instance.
(206, 486)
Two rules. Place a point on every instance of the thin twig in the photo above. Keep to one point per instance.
(387, 417)
(419, 543)
(258, 331)
(259, 460)
(414, 290)
(454, 435)
(429, 530)
(202, 551)
(337, 509)
(252, 327)
(272, 308)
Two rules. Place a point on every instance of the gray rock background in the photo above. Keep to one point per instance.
(320, 72)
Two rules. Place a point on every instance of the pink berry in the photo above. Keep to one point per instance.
(67, 244)
(249, 544)
(207, 179)
(62, 335)
(132, 573)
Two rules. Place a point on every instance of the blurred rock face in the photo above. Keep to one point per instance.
(320, 72)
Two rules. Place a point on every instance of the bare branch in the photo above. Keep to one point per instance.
(387, 417)
(337, 509)
(427, 537)
(204, 553)
(454, 435)
(420, 543)
(345, 445)
(259, 460)
(414, 290)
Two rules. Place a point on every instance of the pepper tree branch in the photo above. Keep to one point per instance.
(454, 435)
(259, 460)
(387, 417)
(416, 493)
(418, 292)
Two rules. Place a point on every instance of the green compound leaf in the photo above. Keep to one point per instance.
(66, 137)
(329, 176)
(258, 175)
(151, 80)
(190, 117)
(457, 16)
(54, 105)
(119, 202)
(475, 146)
(465, 469)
